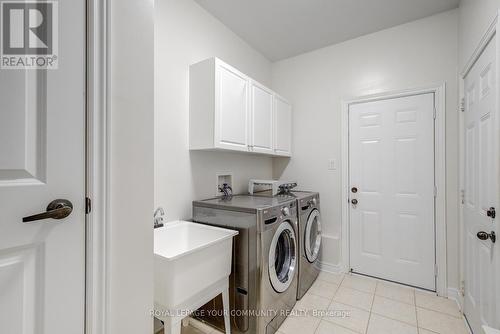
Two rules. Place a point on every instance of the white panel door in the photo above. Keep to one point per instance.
(231, 119)
(261, 123)
(481, 191)
(282, 127)
(42, 158)
(391, 165)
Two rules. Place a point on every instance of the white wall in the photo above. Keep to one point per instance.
(416, 54)
(130, 234)
(185, 34)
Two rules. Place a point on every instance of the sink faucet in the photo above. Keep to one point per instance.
(158, 217)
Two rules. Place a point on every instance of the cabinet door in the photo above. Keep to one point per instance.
(261, 123)
(231, 109)
(282, 127)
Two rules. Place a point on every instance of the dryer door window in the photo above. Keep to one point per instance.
(282, 257)
(312, 237)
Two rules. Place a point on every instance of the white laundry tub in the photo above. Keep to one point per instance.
(192, 264)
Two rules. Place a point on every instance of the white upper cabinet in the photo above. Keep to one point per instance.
(218, 104)
(282, 127)
(231, 108)
(261, 118)
(230, 111)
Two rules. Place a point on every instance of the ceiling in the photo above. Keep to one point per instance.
(284, 28)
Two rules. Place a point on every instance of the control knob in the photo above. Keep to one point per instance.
(286, 211)
(312, 202)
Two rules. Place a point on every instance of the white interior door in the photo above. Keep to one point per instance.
(42, 156)
(481, 191)
(391, 170)
(261, 118)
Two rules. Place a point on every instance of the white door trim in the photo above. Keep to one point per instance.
(96, 293)
(440, 174)
(483, 42)
(488, 35)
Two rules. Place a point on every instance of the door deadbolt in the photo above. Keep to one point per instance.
(491, 213)
(354, 201)
(354, 190)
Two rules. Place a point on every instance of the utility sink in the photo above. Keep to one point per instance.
(192, 263)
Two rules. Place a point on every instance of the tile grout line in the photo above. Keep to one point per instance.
(317, 326)
(434, 310)
(419, 328)
(364, 278)
(313, 294)
(440, 312)
(398, 320)
(397, 301)
(332, 301)
(371, 309)
(415, 306)
(400, 302)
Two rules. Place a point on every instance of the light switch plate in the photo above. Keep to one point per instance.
(332, 164)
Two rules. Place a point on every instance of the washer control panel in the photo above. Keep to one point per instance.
(274, 216)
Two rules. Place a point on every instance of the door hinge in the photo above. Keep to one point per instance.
(88, 205)
(435, 191)
(435, 270)
(435, 112)
(462, 105)
(462, 196)
(462, 288)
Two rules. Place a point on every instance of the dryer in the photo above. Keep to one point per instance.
(309, 226)
(263, 282)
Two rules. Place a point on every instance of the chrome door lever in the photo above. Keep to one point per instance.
(57, 209)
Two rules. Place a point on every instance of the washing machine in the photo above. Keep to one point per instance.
(263, 281)
(309, 227)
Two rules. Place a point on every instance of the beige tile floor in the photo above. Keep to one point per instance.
(351, 304)
(362, 305)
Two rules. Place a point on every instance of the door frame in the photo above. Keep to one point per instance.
(439, 91)
(488, 35)
(97, 148)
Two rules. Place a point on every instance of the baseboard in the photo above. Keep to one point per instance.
(331, 268)
(455, 295)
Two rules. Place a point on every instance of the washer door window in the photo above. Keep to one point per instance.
(312, 237)
(282, 257)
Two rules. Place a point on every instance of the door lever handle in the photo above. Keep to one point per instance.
(57, 209)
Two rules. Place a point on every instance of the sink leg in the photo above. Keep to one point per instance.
(174, 328)
(225, 303)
